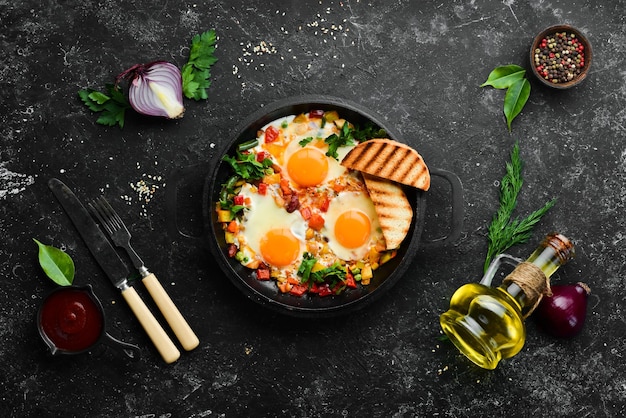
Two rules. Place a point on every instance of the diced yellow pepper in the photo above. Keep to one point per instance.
(300, 118)
(317, 267)
(387, 256)
(366, 274)
(229, 237)
(224, 215)
(331, 116)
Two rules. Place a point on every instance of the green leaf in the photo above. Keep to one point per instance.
(113, 106)
(196, 72)
(57, 264)
(515, 99)
(504, 77)
(99, 98)
(504, 232)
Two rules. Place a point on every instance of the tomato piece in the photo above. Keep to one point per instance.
(298, 289)
(324, 290)
(271, 134)
(350, 282)
(263, 273)
(233, 227)
(325, 204)
(316, 222)
(260, 156)
(262, 189)
(238, 200)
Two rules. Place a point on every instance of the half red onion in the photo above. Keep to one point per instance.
(155, 89)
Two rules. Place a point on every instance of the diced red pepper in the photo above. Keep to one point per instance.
(263, 273)
(316, 222)
(238, 200)
(316, 114)
(325, 204)
(271, 134)
(260, 156)
(314, 288)
(350, 282)
(299, 289)
(284, 186)
(305, 212)
(262, 189)
(233, 227)
(324, 290)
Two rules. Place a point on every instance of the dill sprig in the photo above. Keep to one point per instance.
(505, 232)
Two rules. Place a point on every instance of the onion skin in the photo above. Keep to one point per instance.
(155, 89)
(563, 314)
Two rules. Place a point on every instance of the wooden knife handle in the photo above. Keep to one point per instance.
(181, 328)
(157, 334)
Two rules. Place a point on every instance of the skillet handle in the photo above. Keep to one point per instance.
(457, 214)
(174, 199)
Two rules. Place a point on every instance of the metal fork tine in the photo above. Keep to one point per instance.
(113, 214)
(95, 209)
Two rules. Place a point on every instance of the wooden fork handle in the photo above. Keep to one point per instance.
(179, 325)
(157, 334)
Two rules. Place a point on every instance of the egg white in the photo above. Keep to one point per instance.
(342, 202)
(293, 133)
(264, 214)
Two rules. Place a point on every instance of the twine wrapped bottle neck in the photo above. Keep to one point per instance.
(532, 281)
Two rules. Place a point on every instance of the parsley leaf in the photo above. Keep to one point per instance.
(349, 136)
(196, 73)
(247, 167)
(505, 232)
(113, 106)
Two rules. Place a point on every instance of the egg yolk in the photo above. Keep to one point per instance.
(352, 228)
(279, 247)
(308, 167)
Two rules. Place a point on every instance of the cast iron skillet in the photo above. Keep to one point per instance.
(266, 292)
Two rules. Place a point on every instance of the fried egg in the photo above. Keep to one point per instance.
(351, 225)
(305, 165)
(269, 231)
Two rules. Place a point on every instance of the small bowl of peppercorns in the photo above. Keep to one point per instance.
(560, 56)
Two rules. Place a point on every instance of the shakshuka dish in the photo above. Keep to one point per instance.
(293, 214)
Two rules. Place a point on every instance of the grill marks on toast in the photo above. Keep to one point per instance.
(391, 160)
(392, 207)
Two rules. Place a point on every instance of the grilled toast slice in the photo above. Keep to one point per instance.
(392, 207)
(390, 160)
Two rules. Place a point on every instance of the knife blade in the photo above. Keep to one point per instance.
(113, 267)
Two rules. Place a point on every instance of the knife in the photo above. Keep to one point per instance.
(114, 267)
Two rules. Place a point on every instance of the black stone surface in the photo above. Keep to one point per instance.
(419, 65)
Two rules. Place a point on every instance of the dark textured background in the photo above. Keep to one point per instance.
(418, 64)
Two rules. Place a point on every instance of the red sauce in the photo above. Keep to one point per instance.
(71, 319)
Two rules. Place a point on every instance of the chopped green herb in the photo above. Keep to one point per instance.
(505, 232)
(196, 72)
(305, 141)
(112, 105)
(350, 136)
(247, 167)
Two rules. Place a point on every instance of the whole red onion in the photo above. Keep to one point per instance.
(563, 314)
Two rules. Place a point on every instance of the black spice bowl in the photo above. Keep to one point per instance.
(560, 56)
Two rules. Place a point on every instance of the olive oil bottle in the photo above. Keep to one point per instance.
(487, 323)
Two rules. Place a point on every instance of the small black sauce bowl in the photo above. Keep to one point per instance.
(587, 55)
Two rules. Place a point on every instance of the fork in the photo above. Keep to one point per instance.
(120, 235)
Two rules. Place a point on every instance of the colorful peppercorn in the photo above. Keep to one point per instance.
(560, 57)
